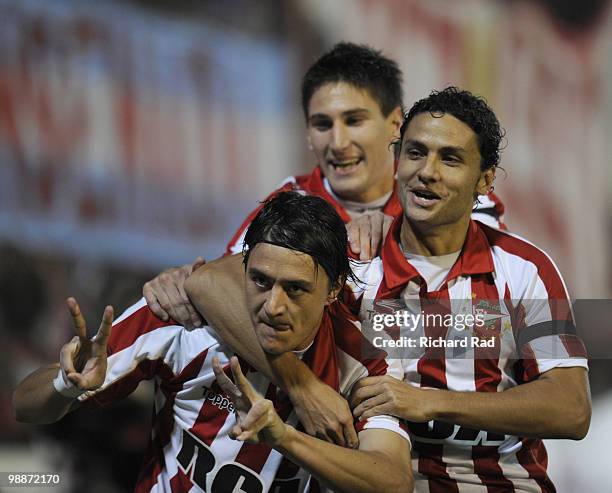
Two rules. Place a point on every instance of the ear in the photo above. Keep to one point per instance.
(485, 182)
(333, 294)
(395, 119)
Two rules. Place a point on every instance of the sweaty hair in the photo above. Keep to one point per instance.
(471, 110)
(358, 65)
(305, 224)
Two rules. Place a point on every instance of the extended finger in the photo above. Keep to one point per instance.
(387, 221)
(106, 325)
(384, 408)
(369, 404)
(223, 380)
(241, 382)
(352, 230)
(365, 232)
(78, 321)
(376, 220)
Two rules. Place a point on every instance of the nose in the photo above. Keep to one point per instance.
(340, 140)
(276, 302)
(430, 171)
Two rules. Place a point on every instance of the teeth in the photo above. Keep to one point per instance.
(342, 164)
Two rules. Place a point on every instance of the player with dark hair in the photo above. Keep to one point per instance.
(481, 428)
(295, 265)
(352, 102)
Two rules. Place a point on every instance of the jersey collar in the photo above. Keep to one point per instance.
(475, 257)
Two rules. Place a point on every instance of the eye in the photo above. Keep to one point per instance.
(354, 121)
(260, 281)
(294, 290)
(413, 153)
(451, 159)
(321, 124)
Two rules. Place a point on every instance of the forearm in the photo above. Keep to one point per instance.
(344, 469)
(543, 408)
(35, 400)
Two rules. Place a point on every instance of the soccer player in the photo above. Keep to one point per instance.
(352, 103)
(295, 262)
(481, 428)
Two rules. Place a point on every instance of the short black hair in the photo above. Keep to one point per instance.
(470, 109)
(306, 224)
(358, 65)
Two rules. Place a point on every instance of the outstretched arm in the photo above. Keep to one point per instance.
(217, 291)
(47, 394)
(382, 462)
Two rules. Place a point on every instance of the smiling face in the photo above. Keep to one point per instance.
(439, 173)
(351, 139)
(286, 295)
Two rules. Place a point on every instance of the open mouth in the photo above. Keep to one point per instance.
(344, 166)
(424, 197)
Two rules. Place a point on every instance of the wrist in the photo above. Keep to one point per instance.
(65, 387)
(292, 377)
(285, 439)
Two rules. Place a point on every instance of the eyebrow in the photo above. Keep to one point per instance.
(445, 149)
(304, 284)
(351, 112)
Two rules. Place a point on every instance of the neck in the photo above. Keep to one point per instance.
(433, 241)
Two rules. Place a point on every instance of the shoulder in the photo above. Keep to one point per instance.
(518, 259)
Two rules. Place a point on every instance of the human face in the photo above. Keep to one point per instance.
(439, 174)
(286, 295)
(351, 140)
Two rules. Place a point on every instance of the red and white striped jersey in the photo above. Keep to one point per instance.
(489, 209)
(525, 303)
(190, 449)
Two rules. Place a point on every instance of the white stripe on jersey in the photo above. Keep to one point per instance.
(200, 412)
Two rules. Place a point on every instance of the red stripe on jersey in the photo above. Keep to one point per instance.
(432, 365)
(532, 456)
(486, 466)
(350, 339)
(180, 482)
(487, 374)
(432, 466)
(211, 418)
(163, 422)
(573, 345)
(123, 387)
(142, 321)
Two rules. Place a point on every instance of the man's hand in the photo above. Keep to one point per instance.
(166, 295)
(366, 233)
(373, 396)
(324, 413)
(83, 360)
(256, 418)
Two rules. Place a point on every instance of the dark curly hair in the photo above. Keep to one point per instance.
(306, 224)
(360, 66)
(471, 110)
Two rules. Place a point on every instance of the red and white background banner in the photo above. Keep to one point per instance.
(132, 137)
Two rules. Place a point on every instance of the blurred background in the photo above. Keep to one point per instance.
(136, 135)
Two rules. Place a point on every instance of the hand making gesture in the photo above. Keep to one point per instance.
(256, 418)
